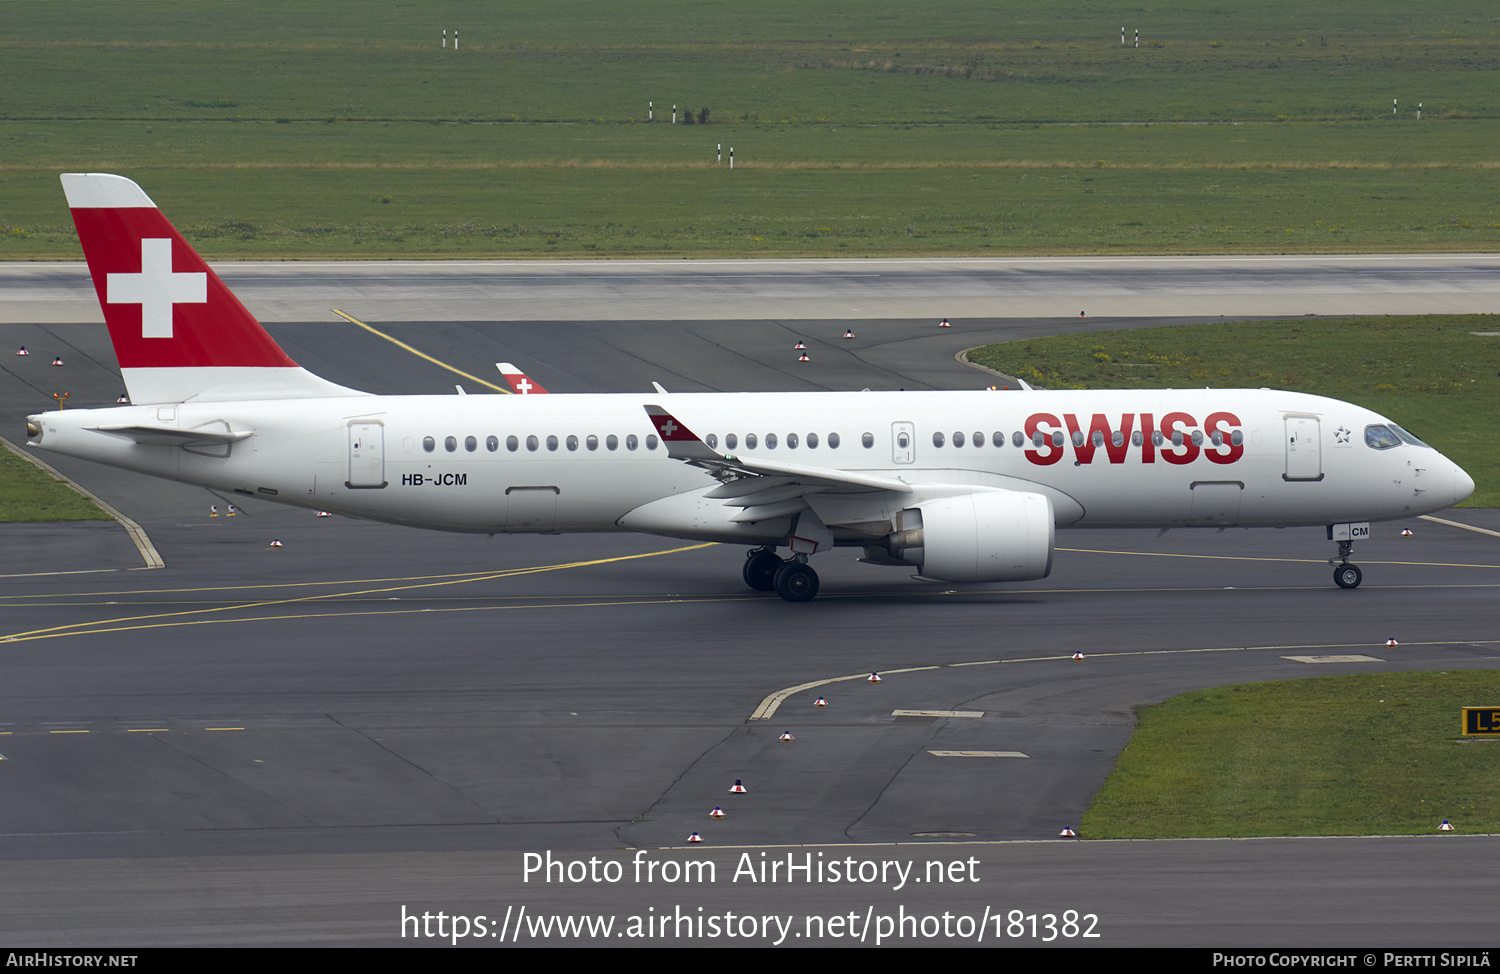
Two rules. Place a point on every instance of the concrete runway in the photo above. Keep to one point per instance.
(294, 745)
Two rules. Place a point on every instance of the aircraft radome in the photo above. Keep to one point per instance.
(960, 486)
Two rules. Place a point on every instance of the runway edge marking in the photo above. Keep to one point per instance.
(137, 534)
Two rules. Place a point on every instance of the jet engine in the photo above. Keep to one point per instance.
(987, 536)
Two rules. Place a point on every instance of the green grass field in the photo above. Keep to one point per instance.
(343, 129)
(28, 493)
(1429, 373)
(1376, 754)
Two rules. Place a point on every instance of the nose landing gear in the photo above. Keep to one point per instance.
(1345, 575)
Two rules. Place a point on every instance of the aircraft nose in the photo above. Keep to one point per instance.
(1463, 484)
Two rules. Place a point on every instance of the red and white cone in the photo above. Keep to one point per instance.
(1068, 833)
(694, 839)
(820, 702)
(123, 398)
(716, 813)
(1446, 826)
(57, 361)
(22, 351)
(276, 543)
(1390, 644)
(1406, 532)
(849, 333)
(324, 514)
(799, 345)
(739, 788)
(803, 358)
(874, 678)
(787, 738)
(944, 324)
(1078, 656)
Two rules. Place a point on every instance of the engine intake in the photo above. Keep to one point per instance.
(988, 536)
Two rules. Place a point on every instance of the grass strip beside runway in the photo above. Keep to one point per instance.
(1376, 754)
(337, 130)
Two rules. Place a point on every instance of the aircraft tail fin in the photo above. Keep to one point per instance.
(178, 331)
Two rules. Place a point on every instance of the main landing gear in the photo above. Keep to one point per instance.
(792, 578)
(1345, 575)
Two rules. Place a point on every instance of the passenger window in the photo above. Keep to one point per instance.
(631, 442)
(650, 441)
(551, 443)
(429, 444)
(812, 441)
(712, 440)
(868, 440)
(492, 443)
(937, 439)
(611, 442)
(532, 443)
(749, 441)
(572, 442)
(450, 443)
(958, 439)
(791, 441)
(731, 441)
(1016, 439)
(471, 444)
(770, 441)
(833, 441)
(512, 444)
(592, 442)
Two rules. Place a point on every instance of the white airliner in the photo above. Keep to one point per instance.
(961, 486)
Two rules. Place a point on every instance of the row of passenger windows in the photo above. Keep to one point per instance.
(534, 443)
(793, 441)
(631, 442)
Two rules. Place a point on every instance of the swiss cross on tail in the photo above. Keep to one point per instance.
(178, 333)
(520, 383)
(165, 308)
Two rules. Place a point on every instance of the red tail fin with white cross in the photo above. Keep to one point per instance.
(178, 331)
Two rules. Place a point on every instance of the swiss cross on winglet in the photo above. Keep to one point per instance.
(520, 383)
(682, 443)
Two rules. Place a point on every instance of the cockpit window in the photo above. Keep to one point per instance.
(1407, 437)
(1381, 438)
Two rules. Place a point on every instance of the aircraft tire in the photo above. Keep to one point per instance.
(760, 569)
(796, 582)
(1348, 576)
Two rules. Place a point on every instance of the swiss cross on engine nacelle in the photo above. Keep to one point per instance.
(157, 288)
(1176, 439)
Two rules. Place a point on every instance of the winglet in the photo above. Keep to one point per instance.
(520, 383)
(681, 442)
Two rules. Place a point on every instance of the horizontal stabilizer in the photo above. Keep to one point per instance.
(167, 436)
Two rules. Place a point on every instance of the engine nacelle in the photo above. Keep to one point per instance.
(987, 536)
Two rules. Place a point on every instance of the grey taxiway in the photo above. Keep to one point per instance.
(292, 745)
